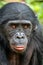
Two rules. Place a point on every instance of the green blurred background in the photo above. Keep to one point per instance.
(36, 5)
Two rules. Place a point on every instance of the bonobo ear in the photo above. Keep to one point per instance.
(35, 27)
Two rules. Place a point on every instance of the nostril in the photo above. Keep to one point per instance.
(23, 37)
(20, 37)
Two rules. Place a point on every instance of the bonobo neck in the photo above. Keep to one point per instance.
(14, 59)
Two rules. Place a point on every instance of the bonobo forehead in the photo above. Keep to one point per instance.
(17, 11)
(19, 22)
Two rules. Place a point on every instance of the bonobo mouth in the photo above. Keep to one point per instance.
(18, 48)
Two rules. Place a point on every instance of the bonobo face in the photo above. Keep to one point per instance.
(17, 32)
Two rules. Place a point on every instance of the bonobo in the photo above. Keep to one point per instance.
(22, 35)
(16, 32)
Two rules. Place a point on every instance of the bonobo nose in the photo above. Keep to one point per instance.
(20, 35)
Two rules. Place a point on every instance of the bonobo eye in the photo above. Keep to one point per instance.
(12, 25)
(25, 26)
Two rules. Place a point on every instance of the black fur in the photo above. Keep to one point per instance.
(20, 11)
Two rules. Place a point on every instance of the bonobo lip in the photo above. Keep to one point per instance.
(19, 48)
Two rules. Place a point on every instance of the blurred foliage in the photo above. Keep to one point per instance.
(2, 3)
(36, 5)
